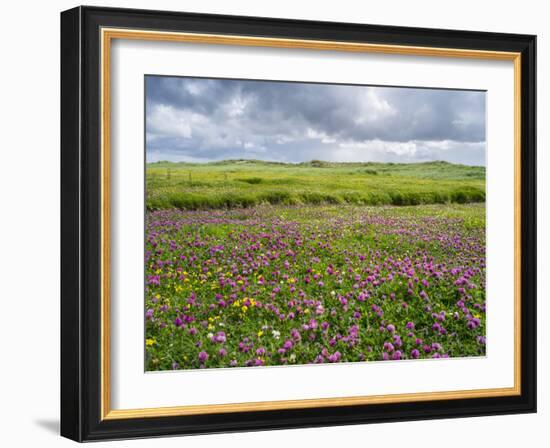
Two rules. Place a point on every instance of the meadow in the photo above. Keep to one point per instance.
(249, 183)
(253, 264)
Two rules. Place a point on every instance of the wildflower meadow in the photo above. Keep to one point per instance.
(318, 275)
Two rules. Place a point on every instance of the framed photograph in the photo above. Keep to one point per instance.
(274, 223)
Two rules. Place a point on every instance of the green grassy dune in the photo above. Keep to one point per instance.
(248, 183)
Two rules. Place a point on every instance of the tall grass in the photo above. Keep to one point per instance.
(247, 183)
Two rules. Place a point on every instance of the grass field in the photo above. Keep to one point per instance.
(255, 264)
(249, 183)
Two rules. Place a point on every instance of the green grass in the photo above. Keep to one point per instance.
(249, 183)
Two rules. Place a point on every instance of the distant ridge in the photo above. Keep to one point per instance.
(314, 163)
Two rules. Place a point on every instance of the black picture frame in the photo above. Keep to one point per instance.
(81, 224)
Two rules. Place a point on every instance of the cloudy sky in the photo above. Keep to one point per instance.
(200, 120)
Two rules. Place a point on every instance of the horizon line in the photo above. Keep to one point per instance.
(320, 161)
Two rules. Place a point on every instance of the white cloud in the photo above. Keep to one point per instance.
(368, 146)
(236, 107)
(412, 151)
(169, 122)
(373, 107)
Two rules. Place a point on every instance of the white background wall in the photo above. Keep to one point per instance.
(29, 221)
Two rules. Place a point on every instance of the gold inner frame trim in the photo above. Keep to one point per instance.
(107, 35)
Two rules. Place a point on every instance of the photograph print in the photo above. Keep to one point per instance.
(292, 223)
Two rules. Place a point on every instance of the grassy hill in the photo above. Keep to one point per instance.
(247, 183)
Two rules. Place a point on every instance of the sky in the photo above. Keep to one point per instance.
(202, 120)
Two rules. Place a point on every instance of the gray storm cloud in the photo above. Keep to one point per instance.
(195, 119)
